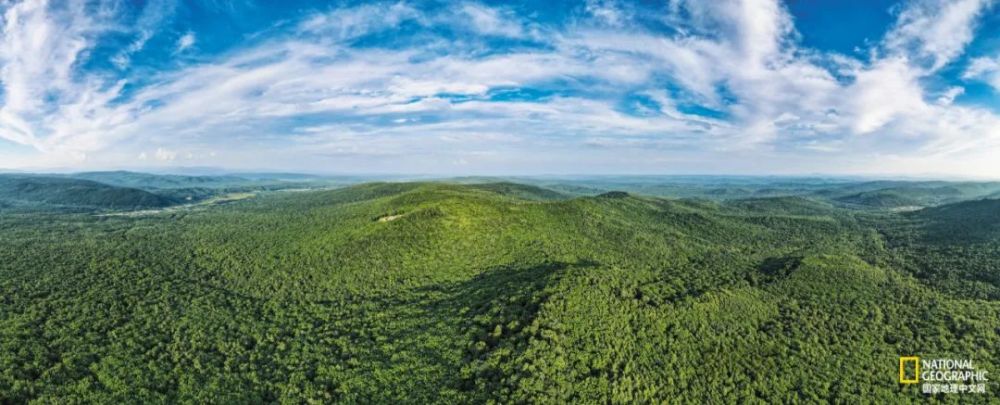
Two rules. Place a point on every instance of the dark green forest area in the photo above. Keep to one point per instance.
(499, 293)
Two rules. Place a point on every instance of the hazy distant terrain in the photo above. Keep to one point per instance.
(123, 190)
(584, 290)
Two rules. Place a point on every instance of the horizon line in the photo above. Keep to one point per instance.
(217, 171)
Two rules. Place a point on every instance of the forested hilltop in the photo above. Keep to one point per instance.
(502, 292)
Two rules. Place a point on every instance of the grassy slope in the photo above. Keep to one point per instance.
(469, 294)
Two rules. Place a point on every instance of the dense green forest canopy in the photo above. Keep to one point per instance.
(465, 291)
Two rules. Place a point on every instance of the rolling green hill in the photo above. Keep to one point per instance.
(897, 194)
(496, 293)
(127, 191)
(967, 221)
(953, 248)
(41, 192)
(784, 206)
(521, 191)
(885, 198)
(159, 181)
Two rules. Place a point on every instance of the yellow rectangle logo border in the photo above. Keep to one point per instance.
(902, 369)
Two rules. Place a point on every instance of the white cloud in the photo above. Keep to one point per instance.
(491, 21)
(935, 32)
(608, 12)
(153, 14)
(754, 29)
(949, 95)
(986, 69)
(882, 93)
(165, 155)
(185, 41)
(351, 22)
(38, 50)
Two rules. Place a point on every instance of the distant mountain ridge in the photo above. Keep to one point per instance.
(145, 180)
(799, 194)
(125, 190)
(58, 192)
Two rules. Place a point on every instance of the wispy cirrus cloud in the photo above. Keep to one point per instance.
(932, 33)
(986, 69)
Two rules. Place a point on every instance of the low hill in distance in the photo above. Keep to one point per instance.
(41, 192)
(849, 192)
(887, 198)
(963, 222)
(232, 182)
(156, 181)
(844, 193)
(521, 191)
(794, 205)
(124, 190)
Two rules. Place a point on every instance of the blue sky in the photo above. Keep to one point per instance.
(673, 86)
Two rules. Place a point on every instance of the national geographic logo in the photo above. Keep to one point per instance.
(949, 376)
(909, 363)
